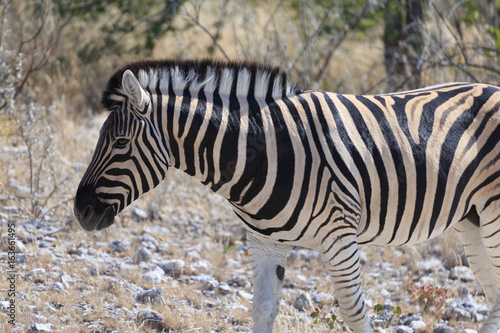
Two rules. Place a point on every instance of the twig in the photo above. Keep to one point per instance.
(339, 42)
(451, 31)
(309, 39)
(48, 233)
(196, 21)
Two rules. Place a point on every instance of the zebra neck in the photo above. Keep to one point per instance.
(219, 140)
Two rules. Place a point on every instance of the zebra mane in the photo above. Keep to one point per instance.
(238, 78)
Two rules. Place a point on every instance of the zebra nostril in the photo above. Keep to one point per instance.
(87, 212)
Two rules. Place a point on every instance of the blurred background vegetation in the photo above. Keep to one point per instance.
(63, 51)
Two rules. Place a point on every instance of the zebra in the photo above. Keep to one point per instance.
(314, 169)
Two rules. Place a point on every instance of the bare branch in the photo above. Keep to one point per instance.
(339, 41)
(196, 21)
(450, 30)
(309, 39)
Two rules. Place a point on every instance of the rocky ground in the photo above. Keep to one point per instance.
(176, 261)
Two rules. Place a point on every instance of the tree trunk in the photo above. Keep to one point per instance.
(403, 43)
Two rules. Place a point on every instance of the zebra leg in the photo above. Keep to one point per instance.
(490, 236)
(343, 263)
(268, 265)
(469, 234)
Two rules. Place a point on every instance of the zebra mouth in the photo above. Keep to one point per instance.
(107, 218)
(91, 212)
(97, 220)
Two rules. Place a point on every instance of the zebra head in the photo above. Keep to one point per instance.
(128, 160)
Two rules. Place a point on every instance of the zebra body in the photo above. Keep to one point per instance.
(310, 168)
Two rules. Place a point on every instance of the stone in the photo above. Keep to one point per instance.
(117, 245)
(403, 329)
(323, 298)
(211, 284)
(36, 272)
(44, 244)
(64, 279)
(201, 278)
(431, 265)
(152, 296)
(40, 327)
(412, 317)
(142, 255)
(172, 266)
(457, 313)
(464, 273)
(58, 286)
(244, 294)
(150, 318)
(21, 258)
(418, 325)
(148, 242)
(155, 276)
(443, 329)
(239, 281)
(224, 288)
(139, 214)
(303, 302)
(20, 246)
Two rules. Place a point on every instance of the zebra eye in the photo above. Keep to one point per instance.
(121, 143)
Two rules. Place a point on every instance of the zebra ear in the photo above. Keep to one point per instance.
(134, 90)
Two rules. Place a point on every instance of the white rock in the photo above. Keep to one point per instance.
(443, 329)
(224, 288)
(417, 325)
(155, 276)
(412, 318)
(41, 327)
(64, 279)
(211, 284)
(20, 246)
(463, 272)
(363, 257)
(200, 266)
(323, 298)
(244, 295)
(384, 293)
(430, 265)
(201, 278)
(58, 286)
(36, 271)
(139, 214)
(428, 280)
(403, 329)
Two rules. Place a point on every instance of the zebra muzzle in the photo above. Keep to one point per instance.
(91, 212)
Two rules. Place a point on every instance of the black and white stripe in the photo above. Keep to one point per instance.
(309, 168)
